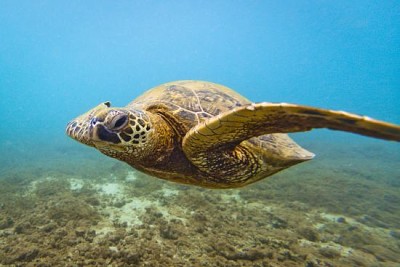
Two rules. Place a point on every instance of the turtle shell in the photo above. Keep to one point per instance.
(188, 103)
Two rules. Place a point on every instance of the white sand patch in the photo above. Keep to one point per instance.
(111, 189)
(76, 184)
(168, 192)
(259, 206)
(234, 195)
(344, 251)
(335, 217)
(102, 229)
(132, 209)
(130, 214)
(319, 226)
(113, 249)
(131, 177)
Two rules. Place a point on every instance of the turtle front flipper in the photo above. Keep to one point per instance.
(218, 140)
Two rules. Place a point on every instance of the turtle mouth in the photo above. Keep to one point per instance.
(105, 135)
(80, 132)
(81, 128)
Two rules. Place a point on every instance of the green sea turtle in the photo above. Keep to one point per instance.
(205, 134)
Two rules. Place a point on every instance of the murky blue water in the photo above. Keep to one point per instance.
(60, 58)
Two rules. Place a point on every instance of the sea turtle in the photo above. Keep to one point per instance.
(205, 134)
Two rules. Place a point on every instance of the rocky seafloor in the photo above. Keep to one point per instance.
(342, 209)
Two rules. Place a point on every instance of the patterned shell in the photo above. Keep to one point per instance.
(189, 102)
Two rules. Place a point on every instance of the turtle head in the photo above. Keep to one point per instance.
(113, 131)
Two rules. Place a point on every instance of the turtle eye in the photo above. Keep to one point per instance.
(118, 122)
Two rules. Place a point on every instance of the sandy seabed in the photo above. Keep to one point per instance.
(342, 209)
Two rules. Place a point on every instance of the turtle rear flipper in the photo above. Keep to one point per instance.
(219, 138)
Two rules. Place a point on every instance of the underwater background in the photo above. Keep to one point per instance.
(65, 204)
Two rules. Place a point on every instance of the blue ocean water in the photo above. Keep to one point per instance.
(60, 58)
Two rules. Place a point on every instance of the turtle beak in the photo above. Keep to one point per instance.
(81, 128)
